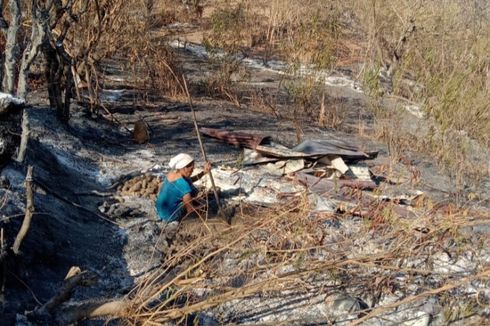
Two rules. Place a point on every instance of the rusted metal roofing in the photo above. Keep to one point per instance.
(307, 149)
(241, 139)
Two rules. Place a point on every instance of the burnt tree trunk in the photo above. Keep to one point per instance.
(38, 34)
(60, 81)
(4, 29)
(11, 48)
(53, 76)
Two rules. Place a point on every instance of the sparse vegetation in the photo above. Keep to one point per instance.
(424, 71)
(285, 249)
(425, 52)
(431, 54)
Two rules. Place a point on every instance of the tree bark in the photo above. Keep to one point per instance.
(11, 48)
(4, 29)
(38, 34)
(54, 72)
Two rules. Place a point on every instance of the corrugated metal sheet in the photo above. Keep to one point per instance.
(240, 139)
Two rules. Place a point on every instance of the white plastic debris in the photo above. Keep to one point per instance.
(361, 172)
(336, 163)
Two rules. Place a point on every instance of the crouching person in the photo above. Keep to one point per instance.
(174, 200)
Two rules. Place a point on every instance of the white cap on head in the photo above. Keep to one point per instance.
(180, 161)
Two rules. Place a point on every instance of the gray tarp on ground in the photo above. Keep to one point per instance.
(332, 147)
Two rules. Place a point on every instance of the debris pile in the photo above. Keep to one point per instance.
(270, 172)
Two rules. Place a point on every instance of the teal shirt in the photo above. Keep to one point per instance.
(169, 204)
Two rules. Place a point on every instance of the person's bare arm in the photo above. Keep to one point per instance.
(187, 200)
(207, 168)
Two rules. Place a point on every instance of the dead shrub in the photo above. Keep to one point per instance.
(275, 251)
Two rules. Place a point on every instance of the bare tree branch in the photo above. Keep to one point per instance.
(29, 210)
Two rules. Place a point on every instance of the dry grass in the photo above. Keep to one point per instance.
(428, 53)
(433, 54)
(274, 252)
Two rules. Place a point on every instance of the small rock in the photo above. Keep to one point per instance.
(104, 207)
(341, 305)
(141, 132)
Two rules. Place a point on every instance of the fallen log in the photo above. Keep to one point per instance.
(90, 309)
(74, 278)
(56, 312)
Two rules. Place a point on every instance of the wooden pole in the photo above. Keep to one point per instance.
(200, 142)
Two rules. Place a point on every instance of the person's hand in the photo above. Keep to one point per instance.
(207, 167)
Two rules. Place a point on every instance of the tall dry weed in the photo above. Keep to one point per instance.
(436, 55)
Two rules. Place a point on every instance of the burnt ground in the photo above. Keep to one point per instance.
(91, 153)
